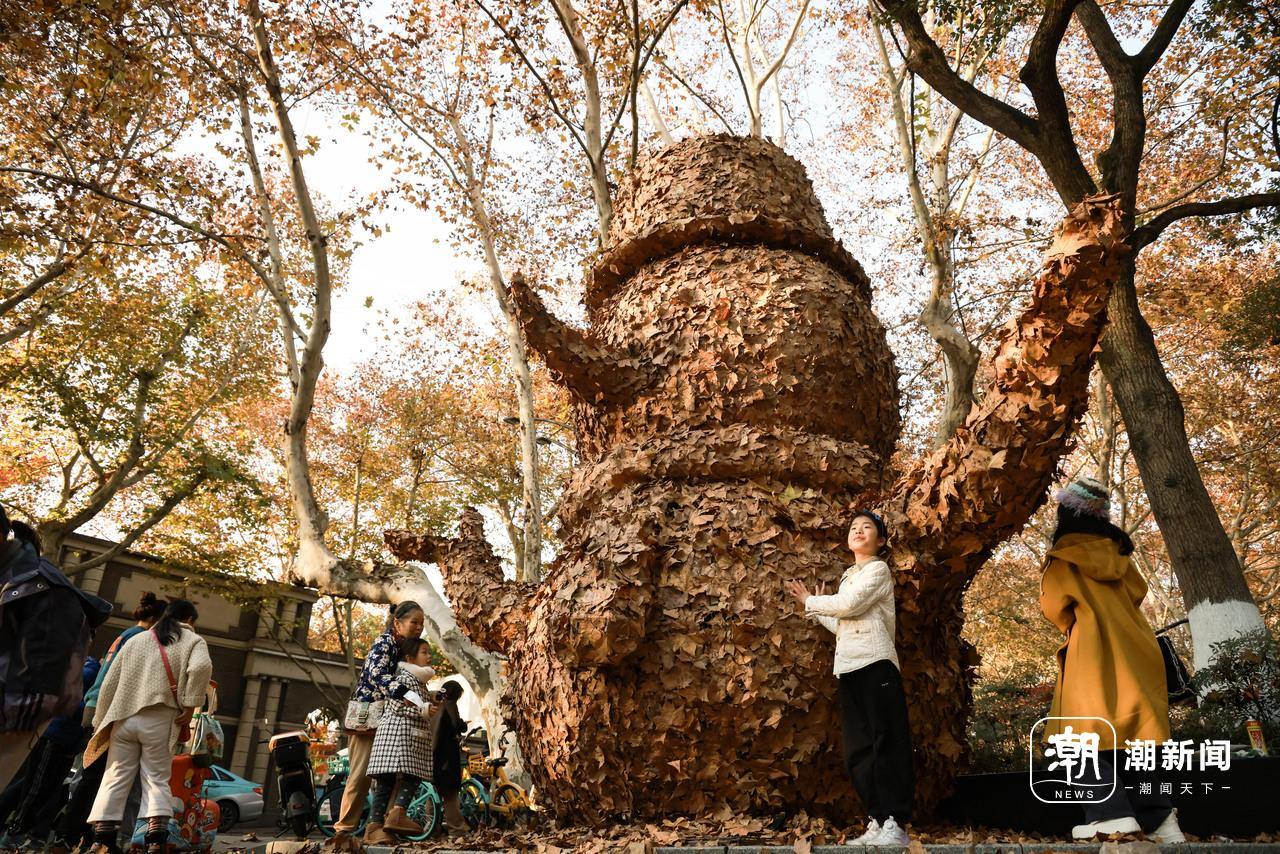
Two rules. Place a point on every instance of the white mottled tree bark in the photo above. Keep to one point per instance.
(315, 564)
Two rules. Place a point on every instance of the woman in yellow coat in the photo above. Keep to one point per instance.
(1110, 664)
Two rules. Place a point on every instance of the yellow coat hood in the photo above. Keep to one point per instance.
(1096, 556)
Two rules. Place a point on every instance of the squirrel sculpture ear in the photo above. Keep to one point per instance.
(586, 368)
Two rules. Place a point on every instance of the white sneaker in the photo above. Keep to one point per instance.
(1128, 824)
(890, 834)
(872, 831)
(1168, 833)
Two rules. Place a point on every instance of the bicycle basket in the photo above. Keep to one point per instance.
(476, 765)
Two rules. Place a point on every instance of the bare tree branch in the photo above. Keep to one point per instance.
(1204, 182)
(1148, 233)
(638, 72)
(120, 476)
(1040, 75)
(155, 517)
(542, 83)
(675, 75)
(927, 59)
(220, 239)
(276, 284)
(333, 694)
(1117, 63)
(51, 273)
(1162, 37)
(773, 67)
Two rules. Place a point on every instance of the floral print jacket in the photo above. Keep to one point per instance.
(379, 670)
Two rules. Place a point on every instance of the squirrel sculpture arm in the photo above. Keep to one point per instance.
(491, 610)
(981, 485)
(588, 369)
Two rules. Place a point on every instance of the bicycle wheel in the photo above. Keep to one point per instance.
(328, 805)
(426, 809)
(474, 802)
(329, 808)
(510, 807)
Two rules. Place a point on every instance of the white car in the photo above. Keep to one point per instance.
(238, 799)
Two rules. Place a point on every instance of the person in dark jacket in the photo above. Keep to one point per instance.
(45, 622)
(34, 797)
(447, 728)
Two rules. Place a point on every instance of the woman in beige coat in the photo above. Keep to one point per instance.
(1110, 665)
(155, 684)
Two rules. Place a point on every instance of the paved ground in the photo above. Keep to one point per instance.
(268, 843)
(264, 829)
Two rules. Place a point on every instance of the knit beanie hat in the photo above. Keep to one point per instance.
(1087, 497)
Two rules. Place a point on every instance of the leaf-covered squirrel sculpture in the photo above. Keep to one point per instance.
(734, 397)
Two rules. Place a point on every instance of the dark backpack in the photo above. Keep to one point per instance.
(1175, 674)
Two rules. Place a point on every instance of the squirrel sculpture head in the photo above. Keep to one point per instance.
(722, 298)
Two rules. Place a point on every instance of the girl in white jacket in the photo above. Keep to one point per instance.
(873, 705)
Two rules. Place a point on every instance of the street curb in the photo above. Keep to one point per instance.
(975, 848)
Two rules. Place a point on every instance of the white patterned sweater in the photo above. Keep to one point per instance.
(137, 679)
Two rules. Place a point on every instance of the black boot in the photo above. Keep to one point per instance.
(104, 838)
(156, 838)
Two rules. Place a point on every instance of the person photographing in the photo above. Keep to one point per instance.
(156, 682)
(875, 728)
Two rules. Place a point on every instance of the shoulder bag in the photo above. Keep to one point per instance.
(184, 732)
(1175, 674)
(363, 715)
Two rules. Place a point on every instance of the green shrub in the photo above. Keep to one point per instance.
(1243, 683)
(1004, 710)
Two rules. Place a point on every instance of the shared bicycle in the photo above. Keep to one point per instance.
(507, 807)
(507, 804)
(426, 808)
(488, 796)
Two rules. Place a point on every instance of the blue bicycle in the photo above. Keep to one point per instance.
(426, 808)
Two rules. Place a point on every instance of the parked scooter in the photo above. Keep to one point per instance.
(294, 780)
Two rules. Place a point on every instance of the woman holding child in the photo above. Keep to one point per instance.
(368, 703)
(401, 757)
